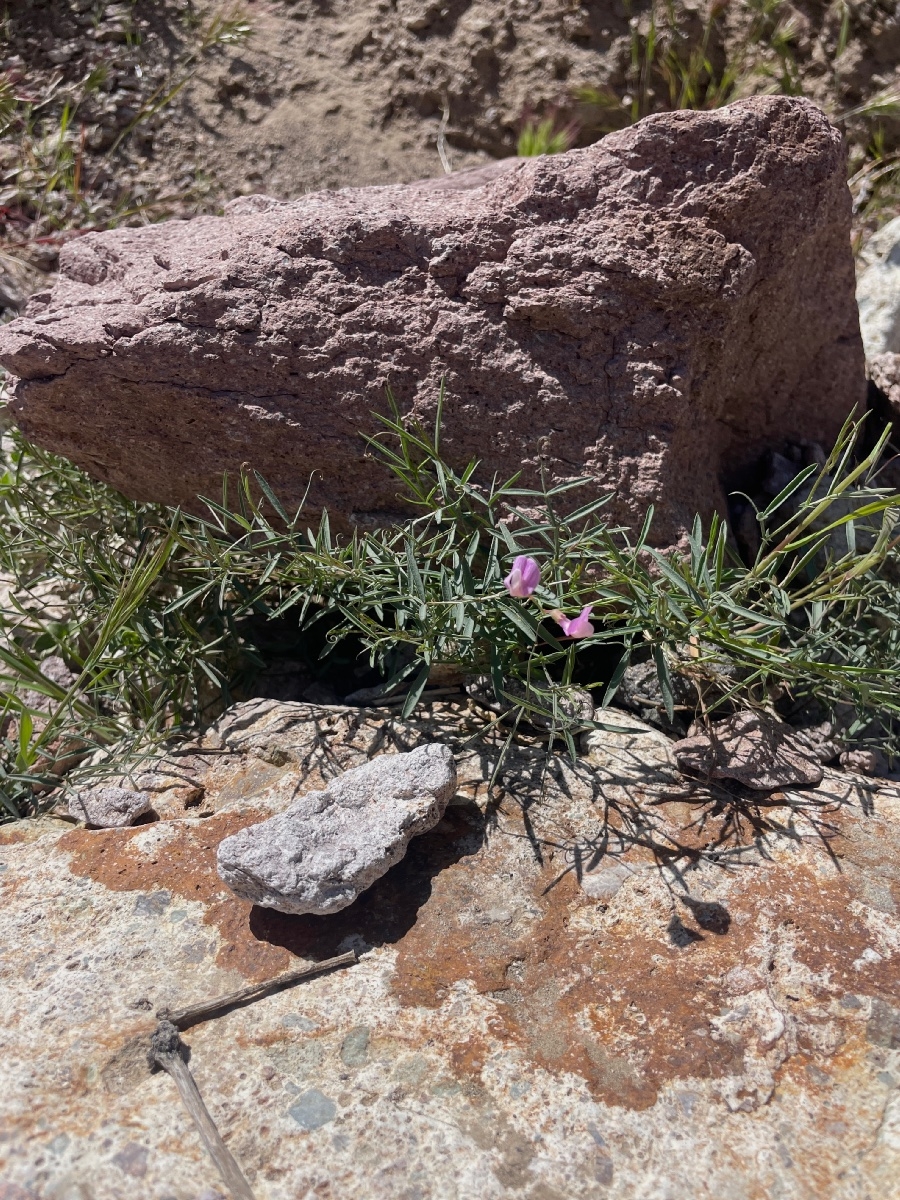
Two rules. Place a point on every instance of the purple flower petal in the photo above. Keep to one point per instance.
(579, 626)
(524, 577)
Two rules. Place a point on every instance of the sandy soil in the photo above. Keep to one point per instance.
(335, 93)
(330, 93)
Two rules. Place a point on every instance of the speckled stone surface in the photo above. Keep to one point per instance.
(651, 313)
(594, 986)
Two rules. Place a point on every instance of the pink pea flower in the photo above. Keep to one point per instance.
(575, 627)
(523, 578)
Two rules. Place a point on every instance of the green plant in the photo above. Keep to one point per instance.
(545, 136)
(874, 184)
(682, 60)
(674, 64)
(874, 178)
(148, 605)
(225, 27)
(88, 576)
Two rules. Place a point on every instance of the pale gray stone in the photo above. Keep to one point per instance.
(331, 845)
(53, 668)
(865, 761)
(878, 292)
(603, 883)
(626, 748)
(313, 1110)
(108, 807)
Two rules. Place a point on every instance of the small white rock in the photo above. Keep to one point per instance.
(603, 883)
(629, 750)
(329, 846)
(878, 292)
(108, 807)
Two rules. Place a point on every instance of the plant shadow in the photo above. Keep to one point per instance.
(671, 823)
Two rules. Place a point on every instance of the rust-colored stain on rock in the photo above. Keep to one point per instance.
(550, 984)
(185, 865)
(628, 1008)
(631, 1009)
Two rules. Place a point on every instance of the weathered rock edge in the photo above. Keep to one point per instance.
(331, 845)
(650, 311)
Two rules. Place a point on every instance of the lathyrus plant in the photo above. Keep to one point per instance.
(515, 583)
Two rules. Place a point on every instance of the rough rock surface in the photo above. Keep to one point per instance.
(108, 807)
(650, 312)
(878, 291)
(584, 988)
(754, 749)
(329, 846)
(53, 668)
(628, 750)
(640, 692)
(884, 371)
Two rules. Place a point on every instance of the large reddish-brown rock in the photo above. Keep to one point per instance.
(651, 311)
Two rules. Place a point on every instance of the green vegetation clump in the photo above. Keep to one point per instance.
(153, 609)
(545, 135)
(157, 614)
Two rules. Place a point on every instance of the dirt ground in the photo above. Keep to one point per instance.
(354, 92)
(139, 110)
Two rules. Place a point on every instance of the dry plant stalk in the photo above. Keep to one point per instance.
(193, 1014)
(165, 1051)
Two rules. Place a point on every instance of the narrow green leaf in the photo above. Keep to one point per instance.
(616, 678)
(271, 497)
(521, 618)
(786, 492)
(665, 681)
(570, 744)
(497, 674)
(508, 538)
(415, 692)
(415, 579)
(26, 729)
(645, 528)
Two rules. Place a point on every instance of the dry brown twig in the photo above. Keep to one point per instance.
(193, 1014)
(166, 1051)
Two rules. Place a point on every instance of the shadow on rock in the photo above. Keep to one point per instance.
(709, 915)
(387, 911)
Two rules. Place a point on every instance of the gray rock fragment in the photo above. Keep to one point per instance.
(606, 880)
(640, 692)
(312, 1110)
(53, 668)
(331, 845)
(822, 740)
(865, 761)
(108, 807)
(627, 750)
